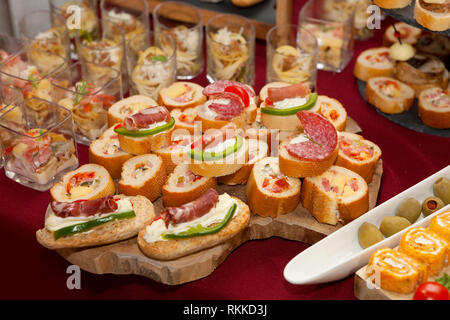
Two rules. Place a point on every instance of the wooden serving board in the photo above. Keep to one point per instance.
(125, 257)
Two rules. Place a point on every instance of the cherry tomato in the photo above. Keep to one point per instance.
(431, 291)
(239, 92)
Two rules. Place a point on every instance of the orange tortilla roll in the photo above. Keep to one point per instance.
(440, 224)
(395, 271)
(426, 246)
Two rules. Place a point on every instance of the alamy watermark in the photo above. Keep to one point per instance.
(74, 280)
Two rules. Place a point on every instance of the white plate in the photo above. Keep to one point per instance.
(340, 255)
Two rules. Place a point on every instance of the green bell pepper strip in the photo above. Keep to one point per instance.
(211, 156)
(199, 230)
(290, 111)
(86, 226)
(143, 133)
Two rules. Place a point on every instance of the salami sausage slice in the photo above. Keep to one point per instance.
(219, 86)
(294, 91)
(321, 134)
(144, 118)
(84, 208)
(227, 105)
(214, 137)
(191, 210)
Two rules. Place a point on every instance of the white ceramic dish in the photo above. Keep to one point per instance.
(340, 255)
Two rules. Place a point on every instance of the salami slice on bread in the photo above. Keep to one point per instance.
(337, 195)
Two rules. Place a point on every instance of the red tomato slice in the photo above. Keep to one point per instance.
(239, 92)
(431, 291)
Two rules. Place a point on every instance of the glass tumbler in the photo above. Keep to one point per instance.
(331, 22)
(38, 153)
(151, 66)
(230, 48)
(88, 97)
(10, 97)
(291, 55)
(45, 35)
(184, 23)
(129, 21)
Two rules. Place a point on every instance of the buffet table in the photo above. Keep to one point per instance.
(252, 271)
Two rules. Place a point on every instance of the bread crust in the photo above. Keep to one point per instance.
(364, 72)
(143, 145)
(151, 188)
(114, 119)
(207, 124)
(430, 20)
(104, 234)
(288, 123)
(433, 117)
(177, 248)
(265, 205)
(294, 167)
(109, 188)
(390, 106)
(111, 163)
(170, 106)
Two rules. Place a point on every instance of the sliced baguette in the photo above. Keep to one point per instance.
(373, 62)
(408, 34)
(185, 118)
(147, 182)
(126, 107)
(257, 150)
(177, 152)
(105, 151)
(329, 207)
(146, 144)
(437, 20)
(174, 195)
(221, 167)
(434, 108)
(398, 103)
(209, 122)
(263, 94)
(263, 201)
(356, 162)
(288, 123)
(167, 96)
(331, 109)
(110, 232)
(105, 186)
(176, 248)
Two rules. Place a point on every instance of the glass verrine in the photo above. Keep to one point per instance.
(151, 66)
(45, 35)
(80, 16)
(230, 47)
(88, 97)
(32, 79)
(106, 50)
(9, 46)
(362, 32)
(39, 153)
(130, 21)
(184, 22)
(291, 55)
(10, 97)
(333, 30)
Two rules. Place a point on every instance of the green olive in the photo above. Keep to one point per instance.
(368, 235)
(441, 189)
(392, 224)
(431, 204)
(409, 209)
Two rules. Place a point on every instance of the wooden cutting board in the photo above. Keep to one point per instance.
(125, 257)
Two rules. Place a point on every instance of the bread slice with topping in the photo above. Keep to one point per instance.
(434, 107)
(143, 175)
(183, 186)
(181, 95)
(389, 95)
(127, 107)
(90, 181)
(337, 195)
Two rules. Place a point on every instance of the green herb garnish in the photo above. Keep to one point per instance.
(33, 81)
(444, 280)
(85, 35)
(159, 57)
(312, 140)
(80, 89)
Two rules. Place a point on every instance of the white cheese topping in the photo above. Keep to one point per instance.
(221, 146)
(223, 36)
(290, 103)
(154, 125)
(188, 38)
(121, 15)
(154, 231)
(53, 222)
(300, 138)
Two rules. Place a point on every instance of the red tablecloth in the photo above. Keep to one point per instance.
(252, 271)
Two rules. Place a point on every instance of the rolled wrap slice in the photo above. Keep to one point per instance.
(440, 224)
